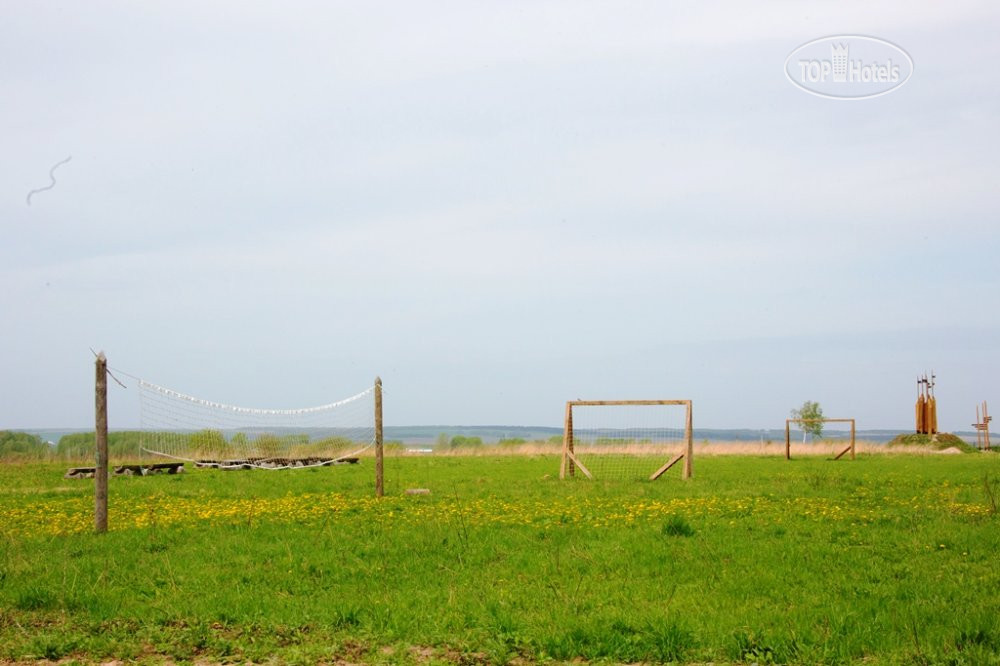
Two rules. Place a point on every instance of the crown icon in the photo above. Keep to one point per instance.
(838, 53)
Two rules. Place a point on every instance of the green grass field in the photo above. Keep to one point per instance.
(884, 560)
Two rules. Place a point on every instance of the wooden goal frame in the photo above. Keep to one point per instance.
(570, 462)
(788, 435)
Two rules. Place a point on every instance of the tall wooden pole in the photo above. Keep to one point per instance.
(566, 427)
(379, 461)
(101, 441)
(979, 429)
(689, 431)
(986, 424)
(853, 429)
(568, 468)
(788, 440)
(920, 407)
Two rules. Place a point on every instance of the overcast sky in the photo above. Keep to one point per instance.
(496, 207)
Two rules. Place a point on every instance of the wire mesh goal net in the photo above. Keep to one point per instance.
(625, 440)
(182, 427)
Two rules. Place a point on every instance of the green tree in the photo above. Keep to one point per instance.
(464, 442)
(809, 412)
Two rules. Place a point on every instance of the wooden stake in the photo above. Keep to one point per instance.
(101, 442)
(379, 452)
(841, 454)
(673, 461)
(576, 461)
(788, 440)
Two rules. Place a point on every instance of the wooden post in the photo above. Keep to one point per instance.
(986, 426)
(568, 467)
(689, 433)
(979, 430)
(379, 464)
(930, 415)
(982, 426)
(101, 442)
(852, 439)
(788, 440)
(564, 457)
(920, 409)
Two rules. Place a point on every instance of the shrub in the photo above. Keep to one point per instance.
(21, 445)
(463, 442)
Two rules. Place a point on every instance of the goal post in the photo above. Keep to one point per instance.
(788, 435)
(634, 439)
(379, 446)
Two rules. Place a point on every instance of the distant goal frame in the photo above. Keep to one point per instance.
(570, 462)
(788, 435)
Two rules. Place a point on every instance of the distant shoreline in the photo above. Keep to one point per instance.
(492, 434)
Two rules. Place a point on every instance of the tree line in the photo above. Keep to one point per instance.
(16, 446)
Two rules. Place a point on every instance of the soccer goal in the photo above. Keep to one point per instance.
(212, 434)
(626, 439)
(788, 435)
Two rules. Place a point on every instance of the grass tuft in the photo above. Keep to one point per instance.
(678, 526)
(35, 598)
(991, 495)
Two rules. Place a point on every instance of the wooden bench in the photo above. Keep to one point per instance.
(127, 470)
(80, 473)
(165, 468)
(251, 463)
(146, 470)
